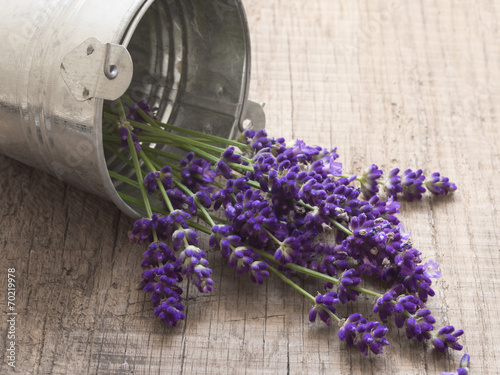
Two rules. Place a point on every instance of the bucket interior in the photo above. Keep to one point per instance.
(191, 65)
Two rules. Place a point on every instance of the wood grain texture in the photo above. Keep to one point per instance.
(409, 84)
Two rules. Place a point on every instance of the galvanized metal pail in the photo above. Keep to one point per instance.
(60, 59)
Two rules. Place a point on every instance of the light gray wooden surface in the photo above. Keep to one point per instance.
(409, 84)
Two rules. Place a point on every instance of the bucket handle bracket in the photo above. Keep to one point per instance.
(97, 70)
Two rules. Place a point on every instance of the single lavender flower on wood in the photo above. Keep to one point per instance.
(258, 270)
(439, 185)
(447, 337)
(366, 335)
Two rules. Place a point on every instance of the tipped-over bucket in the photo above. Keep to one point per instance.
(61, 59)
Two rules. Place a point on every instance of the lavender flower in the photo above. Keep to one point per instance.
(133, 111)
(439, 185)
(142, 230)
(242, 258)
(393, 183)
(194, 264)
(431, 270)
(366, 335)
(150, 182)
(170, 311)
(258, 270)
(464, 367)
(162, 282)
(124, 132)
(287, 251)
(157, 253)
(369, 180)
(349, 279)
(384, 305)
(412, 183)
(323, 304)
(420, 325)
(447, 337)
(230, 156)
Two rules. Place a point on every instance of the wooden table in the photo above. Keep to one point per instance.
(397, 83)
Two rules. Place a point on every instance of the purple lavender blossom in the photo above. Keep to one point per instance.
(323, 304)
(366, 335)
(349, 279)
(142, 231)
(229, 156)
(393, 183)
(133, 111)
(447, 337)
(156, 253)
(166, 177)
(150, 182)
(287, 251)
(412, 183)
(163, 282)
(301, 195)
(420, 325)
(369, 180)
(242, 259)
(384, 305)
(123, 133)
(170, 311)
(258, 270)
(431, 270)
(222, 169)
(194, 265)
(464, 366)
(439, 185)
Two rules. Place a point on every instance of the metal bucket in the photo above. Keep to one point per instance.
(60, 59)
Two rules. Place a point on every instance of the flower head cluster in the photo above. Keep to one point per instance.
(366, 335)
(447, 337)
(324, 304)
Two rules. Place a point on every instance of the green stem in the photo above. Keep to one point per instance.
(360, 179)
(198, 226)
(161, 134)
(165, 154)
(138, 202)
(118, 155)
(124, 179)
(178, 129)
(315, 274)
(138, 173)
(240, 166)
(143, 114)
(184, 188)
(332, 315)
(274, 238)
(152, 168)
(291, 283)
(121, 110)
(341, 227)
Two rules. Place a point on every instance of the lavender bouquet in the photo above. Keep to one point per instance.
(266, 205)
